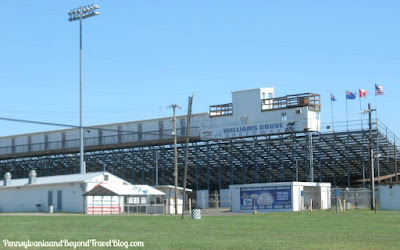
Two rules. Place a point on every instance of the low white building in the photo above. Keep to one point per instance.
(280, 196)
(169, 191)
(65, 193)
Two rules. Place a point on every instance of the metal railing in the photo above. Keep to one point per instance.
(313, 101)
(221, 110)
(132, 137)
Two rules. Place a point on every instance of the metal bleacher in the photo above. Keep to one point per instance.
(339, 157)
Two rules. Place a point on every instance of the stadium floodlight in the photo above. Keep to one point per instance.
(78, 14)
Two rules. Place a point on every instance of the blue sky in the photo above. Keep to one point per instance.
(141, 56)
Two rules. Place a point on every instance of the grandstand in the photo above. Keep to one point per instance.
(257, 138)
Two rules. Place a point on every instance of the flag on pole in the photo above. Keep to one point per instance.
(350, 95)
(333, 99)
(378, 89)
(363, 93)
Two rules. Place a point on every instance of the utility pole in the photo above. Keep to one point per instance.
(189, 118)
(174, 107)
(371, 155)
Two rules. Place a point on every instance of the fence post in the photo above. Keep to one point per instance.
(216, 200)
(166, 206)
(302, 203)
(190, 206)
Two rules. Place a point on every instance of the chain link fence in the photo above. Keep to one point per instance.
(351, 198)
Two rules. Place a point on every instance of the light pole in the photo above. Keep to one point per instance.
(175, 106)
(79, 14)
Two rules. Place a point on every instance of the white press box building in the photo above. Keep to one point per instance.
(91, 193)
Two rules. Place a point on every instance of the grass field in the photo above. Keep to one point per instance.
(319, 229)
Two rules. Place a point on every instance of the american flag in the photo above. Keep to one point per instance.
(378, 89)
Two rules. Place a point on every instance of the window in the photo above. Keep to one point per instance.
(317, 115)
(270, 96)
(119, 134)
(140, 129)
(183, 127)
(106, 177)
(161, 129)
(63, 139)
(284, 117)
(46, 142)
(263, 95)
(29, 143)
(101, 137)
(13, 145)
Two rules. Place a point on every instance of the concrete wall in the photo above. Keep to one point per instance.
(389, 197)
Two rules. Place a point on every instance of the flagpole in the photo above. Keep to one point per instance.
(333, 123)
(362, 126)
(347, 146)
(333, 146)
(377, 141)
(362, 132)
(347, 117)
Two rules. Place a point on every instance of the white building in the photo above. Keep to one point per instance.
(280, 196)
(65, 193)
(169, 191)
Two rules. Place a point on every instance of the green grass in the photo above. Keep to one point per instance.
(319, 229)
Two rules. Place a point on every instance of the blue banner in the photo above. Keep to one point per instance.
(266, 198)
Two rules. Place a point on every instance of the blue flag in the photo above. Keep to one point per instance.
(350, 95)
(333, 99)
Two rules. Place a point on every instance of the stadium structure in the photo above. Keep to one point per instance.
(258, 138)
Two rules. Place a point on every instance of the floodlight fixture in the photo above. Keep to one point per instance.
(83, 12)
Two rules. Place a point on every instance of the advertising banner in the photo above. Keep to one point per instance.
(266, 198)
(251, 130)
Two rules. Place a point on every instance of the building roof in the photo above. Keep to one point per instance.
(172, 187)
(114, 189)
(57, 179)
